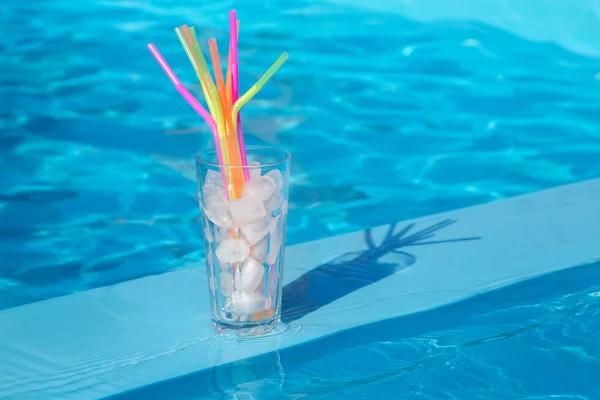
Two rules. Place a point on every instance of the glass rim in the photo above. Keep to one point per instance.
(286, 157)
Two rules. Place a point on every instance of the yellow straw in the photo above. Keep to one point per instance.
(204, 72)
(255, 88)
(231, 140)
(189, 43)
(194, 63)
(227, 138)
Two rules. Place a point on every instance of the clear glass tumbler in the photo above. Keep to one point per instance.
(244, 211)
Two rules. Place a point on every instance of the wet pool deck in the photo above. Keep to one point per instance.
(110, 340)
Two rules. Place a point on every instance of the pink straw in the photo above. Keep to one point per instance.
(233, 37)
(192, 102)
(180, 88)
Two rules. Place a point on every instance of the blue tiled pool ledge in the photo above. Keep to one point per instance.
(106, 341)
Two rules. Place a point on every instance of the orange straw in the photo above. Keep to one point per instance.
(231, 133)
(231, 146)
(216, 62)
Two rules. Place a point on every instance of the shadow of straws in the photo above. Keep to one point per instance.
(352, 271)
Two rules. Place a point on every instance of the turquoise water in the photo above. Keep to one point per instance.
(534, 340)
(386, 118)
(380, 113)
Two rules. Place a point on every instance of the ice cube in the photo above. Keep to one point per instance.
(231, 309)
(245, 303)
(226, 280)
(250, 276)
(258, 230)
(213, 183)
(275, 174)
(224, 266)
(259, 250)
(213, 178)
(247, 210)
(228, 316)
(233, 250)
(262, 188)
(209, 190)
(221, 234)
(254, 170)
(217, 210)
(274, 203)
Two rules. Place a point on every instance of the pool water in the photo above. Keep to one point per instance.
(387, 119)
(534, 340)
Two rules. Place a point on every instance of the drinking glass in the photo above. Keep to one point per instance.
(244, 212)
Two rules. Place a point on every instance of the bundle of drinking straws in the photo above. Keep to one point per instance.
(222, 98)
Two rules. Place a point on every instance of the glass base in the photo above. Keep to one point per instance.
(246, 330)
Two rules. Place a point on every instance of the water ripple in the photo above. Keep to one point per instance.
(534, 340)
(95, 142)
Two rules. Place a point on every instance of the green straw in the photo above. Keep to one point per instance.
(210, 85)
(195, 64)
(208, 88)
(232, 144)
(256, 87)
